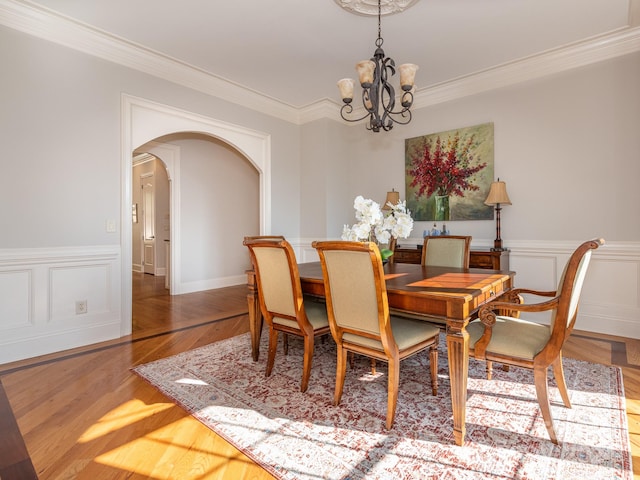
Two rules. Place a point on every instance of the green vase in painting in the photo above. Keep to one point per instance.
(441, 207)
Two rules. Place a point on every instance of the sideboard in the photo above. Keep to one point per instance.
(478, 257)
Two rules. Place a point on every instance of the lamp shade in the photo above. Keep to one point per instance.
(407, 75)
(365, 71)
(393, 198)
(346, 88)
(498, 194)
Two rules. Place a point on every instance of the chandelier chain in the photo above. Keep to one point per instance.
(379, 23)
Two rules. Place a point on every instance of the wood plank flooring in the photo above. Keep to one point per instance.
(81, 414)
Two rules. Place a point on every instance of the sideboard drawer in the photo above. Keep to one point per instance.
(484, 260)
(489, 259)
(478, 258)
(407, 255)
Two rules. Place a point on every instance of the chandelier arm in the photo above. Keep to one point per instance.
(404, 114)
(346, 110)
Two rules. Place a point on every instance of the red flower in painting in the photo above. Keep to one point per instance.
(444, 169)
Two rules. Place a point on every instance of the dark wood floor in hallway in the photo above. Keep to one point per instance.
(82, 414)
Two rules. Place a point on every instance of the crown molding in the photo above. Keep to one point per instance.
(49, 25)
(568, 57)
(44, 23)
(325, 108)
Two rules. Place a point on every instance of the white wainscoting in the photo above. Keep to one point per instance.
(610, 301)
(39, 289)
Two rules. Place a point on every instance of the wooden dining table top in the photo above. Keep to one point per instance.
(453, 293)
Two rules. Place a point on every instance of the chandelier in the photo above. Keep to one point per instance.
(378, 95)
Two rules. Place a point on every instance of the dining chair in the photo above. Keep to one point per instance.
(446, 251)
(359, 318)
(282, 304)
(524, 343)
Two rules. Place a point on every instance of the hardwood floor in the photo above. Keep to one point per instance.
(82, 414)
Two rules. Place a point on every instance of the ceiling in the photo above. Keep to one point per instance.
(294, 51)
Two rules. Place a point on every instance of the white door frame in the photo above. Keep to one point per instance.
(144, 121)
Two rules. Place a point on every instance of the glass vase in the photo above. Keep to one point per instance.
(441, 208)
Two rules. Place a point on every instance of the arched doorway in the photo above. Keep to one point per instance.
(144, 121)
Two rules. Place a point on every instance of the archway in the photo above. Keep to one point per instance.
(143, 121)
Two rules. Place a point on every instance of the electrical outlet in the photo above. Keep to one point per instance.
(81, 307)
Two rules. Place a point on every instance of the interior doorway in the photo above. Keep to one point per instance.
(151, 216)
(143, 121)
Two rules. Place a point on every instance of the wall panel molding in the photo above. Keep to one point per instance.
(39, 306)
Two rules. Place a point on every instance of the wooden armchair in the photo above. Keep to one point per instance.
(281, 301)
(359, 316)
(446, 251)
(526, 344)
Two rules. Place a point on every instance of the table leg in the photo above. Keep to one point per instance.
(255, 316)
(458, 352)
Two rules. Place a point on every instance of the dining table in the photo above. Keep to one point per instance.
(449, 296)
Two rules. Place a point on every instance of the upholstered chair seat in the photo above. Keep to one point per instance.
(512, 337)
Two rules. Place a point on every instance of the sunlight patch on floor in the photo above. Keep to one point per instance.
(124, 415)
(172, 451)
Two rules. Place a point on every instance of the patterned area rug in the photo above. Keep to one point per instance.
(303, 436)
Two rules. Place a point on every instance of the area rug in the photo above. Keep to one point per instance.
(298, 435)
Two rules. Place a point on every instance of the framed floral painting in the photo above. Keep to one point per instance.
(448, 174)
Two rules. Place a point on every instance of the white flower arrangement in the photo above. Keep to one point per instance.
(373, 226)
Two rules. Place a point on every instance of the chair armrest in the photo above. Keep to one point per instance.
(488, 310)
(520, 291)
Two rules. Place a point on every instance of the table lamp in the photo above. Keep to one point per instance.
(393, 197)
(498, 196)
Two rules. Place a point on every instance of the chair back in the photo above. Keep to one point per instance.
(274, 238)
(356, 293)
(446, 251)
(563, 318)
(278, 280)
